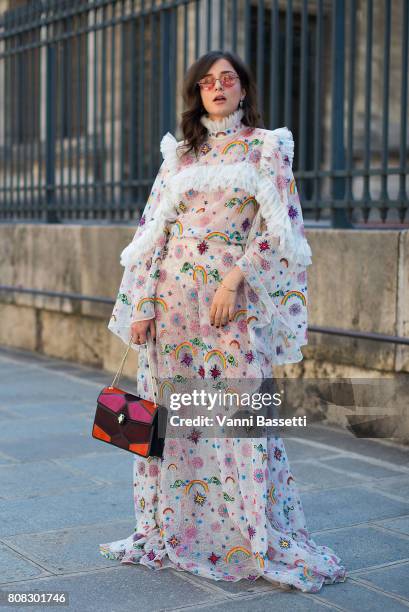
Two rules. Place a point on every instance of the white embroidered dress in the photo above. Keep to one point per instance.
(224, 508)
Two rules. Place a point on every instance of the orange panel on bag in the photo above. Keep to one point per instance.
(100, 433)
(150, 406)
(141, 449)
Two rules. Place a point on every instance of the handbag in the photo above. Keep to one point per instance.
(127, 420)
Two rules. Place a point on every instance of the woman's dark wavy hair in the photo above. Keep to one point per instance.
(194, 132)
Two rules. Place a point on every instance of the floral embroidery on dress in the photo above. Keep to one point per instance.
(222, 508)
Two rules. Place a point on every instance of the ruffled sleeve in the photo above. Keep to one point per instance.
(142, 257)
(275, 258)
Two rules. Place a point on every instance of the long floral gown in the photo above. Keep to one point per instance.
(224, 508)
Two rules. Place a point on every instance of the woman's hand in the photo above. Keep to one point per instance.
(224, 300)
(139, 329)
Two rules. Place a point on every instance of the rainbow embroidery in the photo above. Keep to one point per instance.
(179, 226)
(252, 318)
(234, 343)
(184, 345)
(306, 571)
(193, 482)
(290, 294)
(260, 559)
(236, 550)
(200, 271)
(249, 200)
(236, 143)
(217, 234)
(293, 187)
(271, 495)
(155, 300)
(240, 314)
(229, 478)
(166, 385)
(216, 353)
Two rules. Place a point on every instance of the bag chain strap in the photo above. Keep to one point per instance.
(119, 372)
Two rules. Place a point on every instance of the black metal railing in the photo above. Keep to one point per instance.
(88, 87)
(80, 297)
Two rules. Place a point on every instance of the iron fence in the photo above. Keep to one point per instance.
(89, 88)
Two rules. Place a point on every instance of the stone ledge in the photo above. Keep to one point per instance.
(359, 279)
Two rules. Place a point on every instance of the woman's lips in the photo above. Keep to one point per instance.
(219, 101)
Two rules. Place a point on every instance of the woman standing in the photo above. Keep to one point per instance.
(216, 276)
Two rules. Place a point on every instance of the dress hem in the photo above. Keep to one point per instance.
(159, 559)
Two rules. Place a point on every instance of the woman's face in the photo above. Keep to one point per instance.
(218, 110)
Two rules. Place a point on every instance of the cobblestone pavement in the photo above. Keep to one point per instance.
(62, 493)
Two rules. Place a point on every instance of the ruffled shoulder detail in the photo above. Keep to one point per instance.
(285, 142)
(274, 192)
(168, 146)
(279, 139)
(156, 216)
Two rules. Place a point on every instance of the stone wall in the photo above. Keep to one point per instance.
(359, 280)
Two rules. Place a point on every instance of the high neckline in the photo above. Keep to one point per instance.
(224, 127)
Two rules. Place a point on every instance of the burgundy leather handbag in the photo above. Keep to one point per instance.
(127, 420)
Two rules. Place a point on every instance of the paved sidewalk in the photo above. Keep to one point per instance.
(62, 493)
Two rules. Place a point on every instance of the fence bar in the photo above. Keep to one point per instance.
(89, 87)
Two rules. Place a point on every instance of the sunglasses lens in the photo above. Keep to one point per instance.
(226, 80)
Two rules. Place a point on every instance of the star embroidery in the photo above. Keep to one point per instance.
(194, 436)
(213, 558)
(263, 246)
